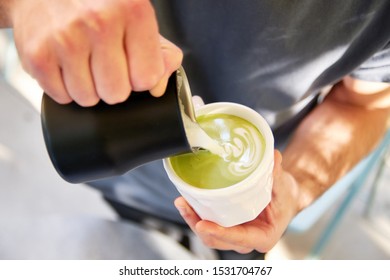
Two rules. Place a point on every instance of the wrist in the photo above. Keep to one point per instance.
(286, 191)
(306, 181)
(305, 196)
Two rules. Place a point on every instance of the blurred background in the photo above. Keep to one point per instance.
(43, 217)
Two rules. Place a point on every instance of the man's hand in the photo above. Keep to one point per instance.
(260, 234)
(327, 144)
(87, 50)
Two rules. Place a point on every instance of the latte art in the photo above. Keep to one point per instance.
(242, 151)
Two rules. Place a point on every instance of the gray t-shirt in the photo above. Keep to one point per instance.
(274, 56)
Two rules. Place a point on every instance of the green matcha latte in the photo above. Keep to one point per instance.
(243, 149)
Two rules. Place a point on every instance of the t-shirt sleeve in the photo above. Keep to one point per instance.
(375, 69)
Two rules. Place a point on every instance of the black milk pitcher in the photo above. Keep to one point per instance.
(91, 143)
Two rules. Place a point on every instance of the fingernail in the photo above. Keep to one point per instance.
(182, 210)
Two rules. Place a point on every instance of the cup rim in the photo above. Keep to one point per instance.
(261, 124)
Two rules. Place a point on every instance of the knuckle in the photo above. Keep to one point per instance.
(147, 81)
(140, 9)
(97, 23)
(89, 24)
(64, 42)
(35, 60)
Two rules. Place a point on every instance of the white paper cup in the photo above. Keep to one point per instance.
(243, 201)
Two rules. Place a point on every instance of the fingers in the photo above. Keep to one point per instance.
(109, 65)
(204, 229)
(49, 78)
(142, 43)
(187, 212)
(217, 237)
(173, 57)
(260, 234)
(76, 74)
(96, 50)
(242, 238)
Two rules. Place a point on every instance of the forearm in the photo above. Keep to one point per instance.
(330, 141)
(5, 13)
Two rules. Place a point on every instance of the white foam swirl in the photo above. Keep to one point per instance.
(244, 151)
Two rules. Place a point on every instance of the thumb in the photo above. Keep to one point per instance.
(173, 57)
